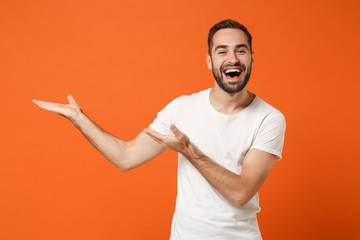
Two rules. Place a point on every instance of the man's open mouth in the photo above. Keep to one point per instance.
(232, 72)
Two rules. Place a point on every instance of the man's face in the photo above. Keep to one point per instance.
(230, 60)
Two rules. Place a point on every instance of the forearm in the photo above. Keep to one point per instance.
(114, 149)
(229, 184)
(125, 155)
(238, 189)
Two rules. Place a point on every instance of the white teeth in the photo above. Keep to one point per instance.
(232, 70)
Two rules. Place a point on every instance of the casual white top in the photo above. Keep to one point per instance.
(201, 211)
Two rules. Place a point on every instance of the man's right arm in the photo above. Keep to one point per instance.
(125, 155)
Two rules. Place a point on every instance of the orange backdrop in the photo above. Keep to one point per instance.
(123, 61)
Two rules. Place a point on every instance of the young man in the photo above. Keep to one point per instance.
(227, 139)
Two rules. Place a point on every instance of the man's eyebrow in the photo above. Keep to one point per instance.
(242, 45)
(226, 46)
(221, 46)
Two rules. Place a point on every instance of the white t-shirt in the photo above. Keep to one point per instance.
(201, 211)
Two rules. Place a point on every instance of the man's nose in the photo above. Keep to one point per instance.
(233, 58)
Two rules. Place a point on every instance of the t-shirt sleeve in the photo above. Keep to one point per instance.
(271, 134)
(165, 118)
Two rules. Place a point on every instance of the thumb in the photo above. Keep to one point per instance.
(71, 99)
(175, 130)
(178, 134)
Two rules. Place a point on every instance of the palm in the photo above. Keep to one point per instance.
(70, 110)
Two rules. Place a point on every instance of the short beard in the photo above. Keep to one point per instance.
(220, 81)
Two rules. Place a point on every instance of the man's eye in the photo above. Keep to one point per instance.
(222, 53)
(241, 51)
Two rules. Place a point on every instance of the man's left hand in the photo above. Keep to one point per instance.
(179, 142)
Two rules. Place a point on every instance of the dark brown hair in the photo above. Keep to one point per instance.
(227, 24)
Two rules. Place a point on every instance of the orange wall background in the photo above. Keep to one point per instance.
(123, 61)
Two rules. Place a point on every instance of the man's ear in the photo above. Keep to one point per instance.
(208, 61)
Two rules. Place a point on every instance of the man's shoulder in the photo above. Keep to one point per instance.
(266, 109)
(194, 96)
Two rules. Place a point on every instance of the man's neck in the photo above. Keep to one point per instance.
(230, 103)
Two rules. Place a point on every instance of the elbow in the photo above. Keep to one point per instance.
(122, 161)
(123, 164)
(239, 203)
(240, 199)
(120, 156)
(124, 167)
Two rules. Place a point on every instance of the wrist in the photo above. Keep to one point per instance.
(191, 152)
(78, 118)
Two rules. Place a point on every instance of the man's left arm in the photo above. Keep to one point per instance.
(238, 189)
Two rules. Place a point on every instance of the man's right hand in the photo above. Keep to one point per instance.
(125, 155)
(70, 111)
